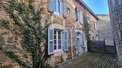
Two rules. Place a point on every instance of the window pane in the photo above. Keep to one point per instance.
(59, 41)
(54, 36)
(55, 47)
(59, 46)
(59, 33)
(59, 6)
(55, 5)
(59, 37)
(54, 41)
(54, 31)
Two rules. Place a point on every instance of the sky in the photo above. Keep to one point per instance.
(97, 6)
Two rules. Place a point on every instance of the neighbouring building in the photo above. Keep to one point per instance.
(115, 10)
(66, 35)
(91, 18)
(104, 29)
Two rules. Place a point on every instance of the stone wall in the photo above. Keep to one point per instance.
(6, 62)
(96, 46)
(115, 10)
(91, 18)
(104, 29)
(13, 41)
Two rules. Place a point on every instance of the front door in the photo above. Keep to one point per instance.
(79, 46)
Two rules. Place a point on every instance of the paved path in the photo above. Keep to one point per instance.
(94, 60)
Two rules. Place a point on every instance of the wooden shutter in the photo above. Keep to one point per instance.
(65, 40)
(61, 8)
(81, 17)
(85, 44)
(65, 6)
(76, 14)
(82, 40)
(50, 41)
(95, 26)
(76, 40)
(51, 5)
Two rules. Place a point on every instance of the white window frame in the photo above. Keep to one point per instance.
(58, 50)
(58, 13)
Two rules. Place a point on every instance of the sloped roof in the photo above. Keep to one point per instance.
(82, 3)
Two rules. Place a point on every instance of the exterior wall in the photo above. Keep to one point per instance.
(90, 17)
(115, 10)
(12, 43)
(57, 22)
(105, 29)
(69, 23)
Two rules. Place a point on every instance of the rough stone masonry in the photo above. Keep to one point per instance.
(115, 9)
(104, 29)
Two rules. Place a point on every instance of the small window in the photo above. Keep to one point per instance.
(76, 14)
(57, 6)
(68, 10)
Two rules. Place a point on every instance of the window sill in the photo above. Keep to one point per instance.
(58, 52)
(56, 13)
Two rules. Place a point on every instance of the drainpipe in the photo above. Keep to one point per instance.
(71, 41)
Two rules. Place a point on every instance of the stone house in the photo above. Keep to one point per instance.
(104, 29)
(66, 36)
(72, 16)
(115, 10)
(91, 17)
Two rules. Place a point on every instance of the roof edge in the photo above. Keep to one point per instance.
(102, 14)
(88, 9)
